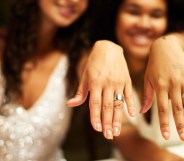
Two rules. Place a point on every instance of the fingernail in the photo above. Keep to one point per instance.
(98, 127)
(141, 111)
(108, 134)
(116, 131)
(132, 113)
(182, 134)
(166, 135)
(144, 105)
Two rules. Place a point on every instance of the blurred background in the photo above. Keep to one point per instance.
(3, 12)
(75, 147)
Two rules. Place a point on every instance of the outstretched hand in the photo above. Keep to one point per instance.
(165, 76)
(105, 75)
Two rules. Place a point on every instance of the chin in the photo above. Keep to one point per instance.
(63, 22)
(140, 53)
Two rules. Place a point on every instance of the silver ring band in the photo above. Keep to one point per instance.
(118, 97)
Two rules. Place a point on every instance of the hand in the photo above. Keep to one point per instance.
(165, 76)
(105, 75)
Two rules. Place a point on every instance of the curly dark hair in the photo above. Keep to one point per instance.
(21, 43)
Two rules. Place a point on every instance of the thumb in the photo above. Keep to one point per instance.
(147, 96)
(81, 94)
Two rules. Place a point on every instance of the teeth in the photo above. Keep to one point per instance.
(142, 39)
(67, 11)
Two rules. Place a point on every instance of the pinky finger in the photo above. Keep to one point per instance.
(129, 99)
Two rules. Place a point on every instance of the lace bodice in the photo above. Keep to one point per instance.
(36, 134)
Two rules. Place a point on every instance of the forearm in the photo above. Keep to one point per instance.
(176, 39)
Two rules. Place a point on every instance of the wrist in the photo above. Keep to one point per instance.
(172, 41)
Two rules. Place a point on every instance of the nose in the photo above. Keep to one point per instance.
(64, 1)
(144, 22)
(74, 0)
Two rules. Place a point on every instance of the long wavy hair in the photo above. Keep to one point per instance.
(22, 38)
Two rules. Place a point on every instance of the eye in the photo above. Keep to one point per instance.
(133, 12)
(158, 14)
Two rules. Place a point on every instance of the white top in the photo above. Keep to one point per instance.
(151, 131)
(36, 134)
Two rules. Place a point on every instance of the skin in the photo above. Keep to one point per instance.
(136, 51)
(95, 81)
(52, 17)
(137, 26)
(105, 115)
(163, 83)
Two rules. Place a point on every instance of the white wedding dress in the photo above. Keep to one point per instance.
(36, 134)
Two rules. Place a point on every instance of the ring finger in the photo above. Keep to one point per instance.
(118, 112)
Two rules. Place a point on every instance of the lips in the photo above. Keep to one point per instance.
(66, 11)
(141, 40)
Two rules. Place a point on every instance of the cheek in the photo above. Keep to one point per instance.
(122, 25)
(161, 27)
(44, 6)
(83, 7)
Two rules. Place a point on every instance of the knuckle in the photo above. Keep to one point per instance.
(174, 80)
(180, 126)
(95, 81)
(79, 93)
(116, 122)
(128, 97)
(164, 125)
(162, 110)
(161, 83)
(177, 109)
(118, 104)
(110, 79)
(108, 105)
(95, 103)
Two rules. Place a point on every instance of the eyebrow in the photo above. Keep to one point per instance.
(134, 5)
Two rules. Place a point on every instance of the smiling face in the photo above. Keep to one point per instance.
(139, 22)
(62, 12)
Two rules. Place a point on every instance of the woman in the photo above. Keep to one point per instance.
(137, 24)
(43, 58)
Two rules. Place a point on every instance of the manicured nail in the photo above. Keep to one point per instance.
(98, 127)
(144, 105)
(116, 131)
(132, 113)
(182, 134)
(108, 134)
(166, 135)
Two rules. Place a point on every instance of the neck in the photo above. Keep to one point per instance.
(46, 35)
